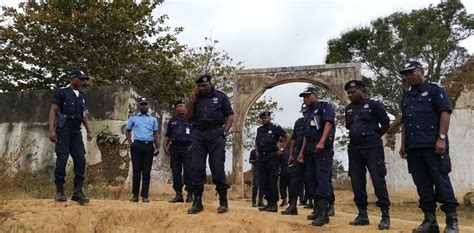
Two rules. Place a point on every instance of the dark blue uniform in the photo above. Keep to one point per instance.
(179, 132)
(210, 113)
(319, 166)
(266, 141)
(284, 173)
(421, 108)
(366, 150)
(297, 170)
(68, 129)
(256, 177)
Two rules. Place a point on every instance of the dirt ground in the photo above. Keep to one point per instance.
(45, 215)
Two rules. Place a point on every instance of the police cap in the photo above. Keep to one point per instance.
(410, 66)
(354, 83)
(77, 74)
(266, 113)
(203, 78)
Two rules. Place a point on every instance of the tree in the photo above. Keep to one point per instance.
(431, 35)
(210, 60)
(114, 42)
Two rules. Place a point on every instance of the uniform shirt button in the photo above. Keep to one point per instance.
(411, 134)
(417, 126)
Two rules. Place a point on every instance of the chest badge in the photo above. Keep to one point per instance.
(366, 106)
(349, 111)
(215, 100)
(316, 111)
(269, 131)
(424, 93)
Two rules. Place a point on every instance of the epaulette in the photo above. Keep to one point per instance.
(436, 84)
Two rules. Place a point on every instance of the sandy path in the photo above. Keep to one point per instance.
(33, 215)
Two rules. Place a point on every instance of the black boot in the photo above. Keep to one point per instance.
(310, 204)
(197, 204)
(451, 223)
(331, 211)
(79, 197)
(362, 218)
(303, 201)
(292, 209)
(263, 208)
(273, 207)
(385, 221)
(428, 225)
(283, 202)
(223, 205)
(177, 198)
(60, 197)
(134, 198)
(323, 217)
(260, 203)
(189, 198)
(315, 214)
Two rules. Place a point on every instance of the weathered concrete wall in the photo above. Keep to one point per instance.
(460, 87)
(24, 141)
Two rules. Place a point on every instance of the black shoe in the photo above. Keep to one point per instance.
(60, 197)
(303, 202)
(323, 217)
(451, 223)
(283, 202)
(292, 209)
(385, 221)
(272, 208)
(260, 203)
(189, 198)
(362, 218)
(429, 224)
(331, 211)
(254, 204)
(177, 198)
(145, 199)
(134, 198)
(223, 206)
(79, 197)
(263, 208)
(197, 204)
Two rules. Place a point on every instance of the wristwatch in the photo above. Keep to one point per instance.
(442, 136)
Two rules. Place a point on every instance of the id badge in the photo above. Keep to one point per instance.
(188, 131)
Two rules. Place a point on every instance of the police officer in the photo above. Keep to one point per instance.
(365, 150)
(318, 151)
(211, 115)
(297, 169)
(177, 144)
(267, 150)
(144, 146)
(425, 117)
(256, 180)
(67, 113)
(284, 176)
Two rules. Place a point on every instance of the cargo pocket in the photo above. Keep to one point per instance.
(444, 164)
(382, 169)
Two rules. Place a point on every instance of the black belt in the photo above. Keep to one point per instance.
(207, 127)
(143, 142)
(180, 144)
(364, 139)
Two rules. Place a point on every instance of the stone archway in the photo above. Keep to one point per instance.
(252, 83)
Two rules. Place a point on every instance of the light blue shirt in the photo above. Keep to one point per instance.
(143, 126)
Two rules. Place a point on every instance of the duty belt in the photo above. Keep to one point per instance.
(144, 142)
(207, 127)
(364, 139)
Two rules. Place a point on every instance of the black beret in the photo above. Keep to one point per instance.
(178, 103)
(203, 78)
(266, 113)
(354, 83)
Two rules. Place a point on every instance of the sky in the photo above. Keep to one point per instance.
(278, 33)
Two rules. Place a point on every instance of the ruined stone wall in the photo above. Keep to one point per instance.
(24, 142)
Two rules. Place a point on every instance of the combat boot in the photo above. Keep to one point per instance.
(331, 211)
(429, 224)
(263, 208)
(177, 198)
(362, 218)
(223, 204)
(283, 202)
(315, 214)
(260, 202)
(303, 201)
(273, 207)
(79, 197)
(385, 221)
(60, 197)
(197, 204)
(451, 223)
(292, 209)
(323, 217)
(189, 198)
